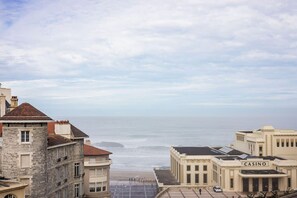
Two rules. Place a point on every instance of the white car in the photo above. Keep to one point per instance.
(217, 189)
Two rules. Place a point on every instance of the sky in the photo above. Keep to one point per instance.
(151, 58)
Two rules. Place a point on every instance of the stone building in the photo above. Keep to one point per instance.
(45, 155)
(97, 165)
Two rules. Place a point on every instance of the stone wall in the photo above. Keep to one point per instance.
(37, 148)
(60, 170)
(79, 158)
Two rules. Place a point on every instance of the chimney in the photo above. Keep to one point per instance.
(13, 102)
(88, 142)
(2, 105)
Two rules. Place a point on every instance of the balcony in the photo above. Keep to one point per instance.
(98, 163)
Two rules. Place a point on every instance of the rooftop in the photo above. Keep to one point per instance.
(54, 140)
(229, 150)
(94, 151)
(165, 177)
(78, 133)
(198, 151)
(25, 112)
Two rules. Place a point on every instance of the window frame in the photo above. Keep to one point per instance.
(204, 167)
(76, 169)
(197, 178)
(188, 178)
(25, 139)
(76, 190)
(205, 178)
(20, 160)
(188, 167)
(196, 167)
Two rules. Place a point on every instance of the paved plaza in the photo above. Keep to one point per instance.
(133, 189)
(194, 193)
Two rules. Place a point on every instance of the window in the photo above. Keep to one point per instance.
(289, 182)
(292, 143)
(260, 149)
(76, 190)
(231, 183)
(92, 173)
(96, 172)
(59, 194)
(296, 142)
(25, 160)
(65, 192)
(196, 178)
(188, 168)
(283, 143)
(97, 186)
(76, 170)
(188, 178)
(10, 196)
(92, 187)
(205, 167)
(25, 136)
(196, 168)
(205, 178)
(277, 142)
(287, 143)
(65, 167)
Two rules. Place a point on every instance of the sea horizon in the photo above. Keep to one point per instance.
(143, 143)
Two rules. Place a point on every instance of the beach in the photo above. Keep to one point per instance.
(128, 175)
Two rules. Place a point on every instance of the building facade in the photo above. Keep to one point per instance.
(268, 141)
(44, 154)
(260, 160)
(97, 168)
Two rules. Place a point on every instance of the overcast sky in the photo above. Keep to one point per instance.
(151, 57)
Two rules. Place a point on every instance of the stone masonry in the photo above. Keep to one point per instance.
(13, 148)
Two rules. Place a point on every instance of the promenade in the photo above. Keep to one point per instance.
(133, 189)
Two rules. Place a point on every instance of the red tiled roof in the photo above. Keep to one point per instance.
(54, 140)
(25, 112)
(93, 151)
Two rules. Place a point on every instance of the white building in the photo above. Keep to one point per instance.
(268, 141)
(256, 163)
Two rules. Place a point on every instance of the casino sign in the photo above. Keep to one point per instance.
(255, 163)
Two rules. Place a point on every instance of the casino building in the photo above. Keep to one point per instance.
(260, 160)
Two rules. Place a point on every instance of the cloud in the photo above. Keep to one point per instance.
(149, 52)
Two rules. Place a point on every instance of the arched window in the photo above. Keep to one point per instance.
(10, 196)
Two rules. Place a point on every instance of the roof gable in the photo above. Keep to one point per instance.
(25, 112)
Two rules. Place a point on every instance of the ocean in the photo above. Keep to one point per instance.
(142, 143)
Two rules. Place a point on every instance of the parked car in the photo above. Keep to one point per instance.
(217, 189)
